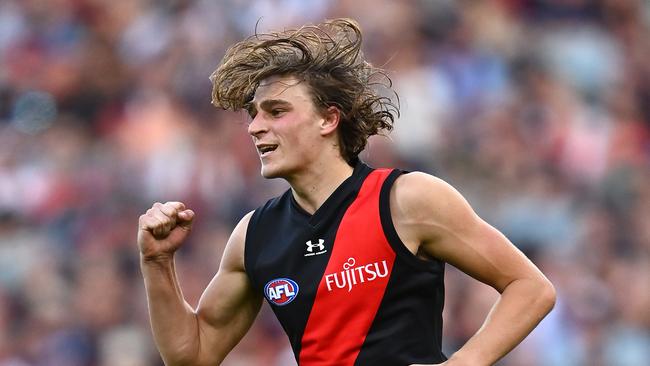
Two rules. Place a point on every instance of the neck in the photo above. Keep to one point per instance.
(312, 187)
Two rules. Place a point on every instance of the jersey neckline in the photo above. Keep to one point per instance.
(348, 187)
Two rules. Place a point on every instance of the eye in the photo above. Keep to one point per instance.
(277, 112)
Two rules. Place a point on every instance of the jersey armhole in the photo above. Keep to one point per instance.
(250, 233)
(432, 265)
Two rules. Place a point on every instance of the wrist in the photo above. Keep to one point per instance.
(157, 259)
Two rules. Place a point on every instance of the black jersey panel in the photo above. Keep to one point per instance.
(407, 328)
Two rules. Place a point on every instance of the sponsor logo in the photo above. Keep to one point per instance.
(353, 275)
(281, 291)
(320, 247)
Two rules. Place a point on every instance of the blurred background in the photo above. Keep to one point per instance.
(538, 111)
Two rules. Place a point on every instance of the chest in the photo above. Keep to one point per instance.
(290, 257)
(348, 251)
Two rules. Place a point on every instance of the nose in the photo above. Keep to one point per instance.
(257, 127)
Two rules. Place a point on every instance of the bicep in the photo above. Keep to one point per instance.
(480, 250)
(446, 227)
(229, 304)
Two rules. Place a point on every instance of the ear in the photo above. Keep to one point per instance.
(331, 118)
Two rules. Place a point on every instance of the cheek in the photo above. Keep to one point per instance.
(295, 135)
(299, 134)
(303, 142)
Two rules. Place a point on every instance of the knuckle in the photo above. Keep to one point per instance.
(168, 209)
(176, 205)
(144, 222)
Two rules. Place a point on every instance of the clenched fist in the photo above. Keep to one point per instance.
(163, 228)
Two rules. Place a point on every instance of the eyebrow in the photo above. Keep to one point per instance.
(266, 104)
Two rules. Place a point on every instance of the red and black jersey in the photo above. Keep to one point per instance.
(341, 282)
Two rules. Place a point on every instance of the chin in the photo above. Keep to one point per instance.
(270, 172)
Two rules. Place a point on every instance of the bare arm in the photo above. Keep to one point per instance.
(432, 217)
(228, 307)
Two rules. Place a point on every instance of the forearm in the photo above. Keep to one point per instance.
(521, 306)
(173, 321)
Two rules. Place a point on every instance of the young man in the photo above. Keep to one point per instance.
(350, 259)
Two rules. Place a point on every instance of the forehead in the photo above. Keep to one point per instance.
(287, 88)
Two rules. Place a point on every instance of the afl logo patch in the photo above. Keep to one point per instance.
(281, 291)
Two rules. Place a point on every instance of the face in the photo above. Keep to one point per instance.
(286, 128)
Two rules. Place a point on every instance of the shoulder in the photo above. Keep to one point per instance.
(419, 191)
(239, 232)
(428, 203)
(233, 257)
(418, 183)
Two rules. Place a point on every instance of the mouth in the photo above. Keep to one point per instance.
(266, 149)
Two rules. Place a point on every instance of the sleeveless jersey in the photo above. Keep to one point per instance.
(341, 282)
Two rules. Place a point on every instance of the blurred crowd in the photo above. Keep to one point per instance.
(538, 111)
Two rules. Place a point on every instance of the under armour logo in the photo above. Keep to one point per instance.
(320, 247)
